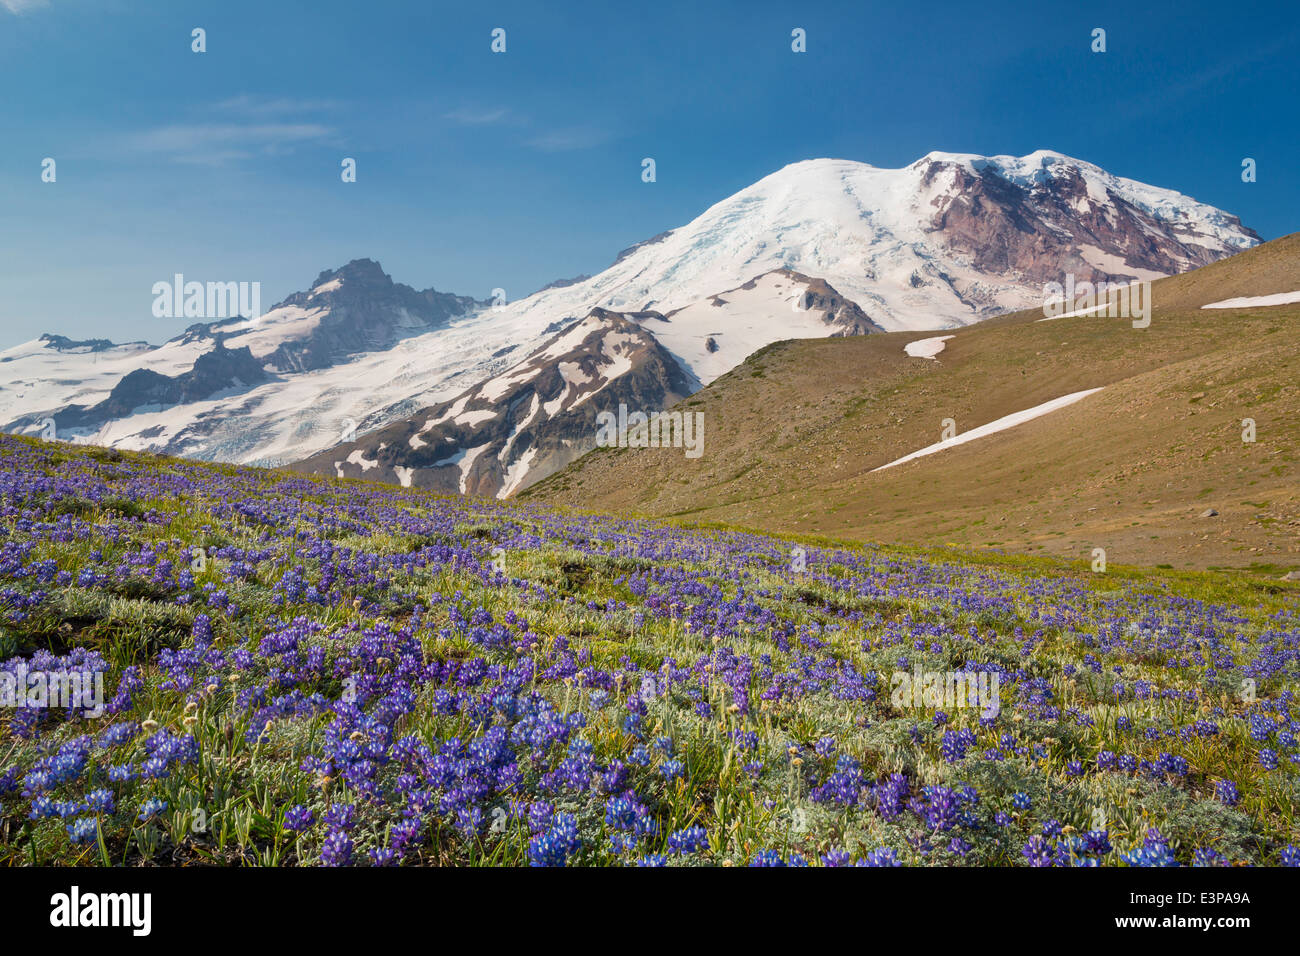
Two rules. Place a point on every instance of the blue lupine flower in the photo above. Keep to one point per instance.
(1226, 792)
(1037, 852)
(556, 845)
(881, 856)
(688, 840)
(83, 830)
(101, 801)
(297, 818)
(337, 849)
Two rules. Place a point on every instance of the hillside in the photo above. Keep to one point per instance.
(795, 433)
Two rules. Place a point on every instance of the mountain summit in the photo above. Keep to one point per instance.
(945, 241)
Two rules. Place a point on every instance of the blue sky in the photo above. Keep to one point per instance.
(479, 170)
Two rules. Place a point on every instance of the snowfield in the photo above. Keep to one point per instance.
(1249, 301)
(714, 335)
(993, 427)
(926, 348)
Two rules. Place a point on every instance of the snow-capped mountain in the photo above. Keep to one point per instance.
(821, 247)
(349, 311)
(534, 418)
(527, 422)
(270, 388)
(946, 241)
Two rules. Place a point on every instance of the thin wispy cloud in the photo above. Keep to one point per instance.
(472, 117)
(1169, 93)
(19, 7)
(262, 106)
(242, 127)
(220, 143)
(565, 140)
(556, 140)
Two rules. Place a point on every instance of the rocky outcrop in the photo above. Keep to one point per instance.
(844, 315)
(214, 372)
(360, 308)
(365, 311)
(525, 423)
(1055, 220)
(61, 343)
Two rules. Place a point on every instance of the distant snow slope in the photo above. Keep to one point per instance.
(714, 335)
(42, 376)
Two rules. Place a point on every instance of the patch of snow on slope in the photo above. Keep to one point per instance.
(358, 457)
(325, 287)
(516, 473)
(456, 408)
(467, 462)
(554, 404)
(570, 340)
(926, 348)
(493, 389)
(572, 373)
(1250, 301)
(266, 333)
(1075, 314)
(1001, 424)
(514, 433)
(452, 460)
(476, 416)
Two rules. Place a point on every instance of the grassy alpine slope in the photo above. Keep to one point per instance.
(302, 671)
(793, 434)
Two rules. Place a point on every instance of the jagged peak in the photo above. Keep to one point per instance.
(357, 270)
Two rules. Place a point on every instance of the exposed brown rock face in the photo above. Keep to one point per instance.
(1036, 230)
(847, 316)
(527, 422)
